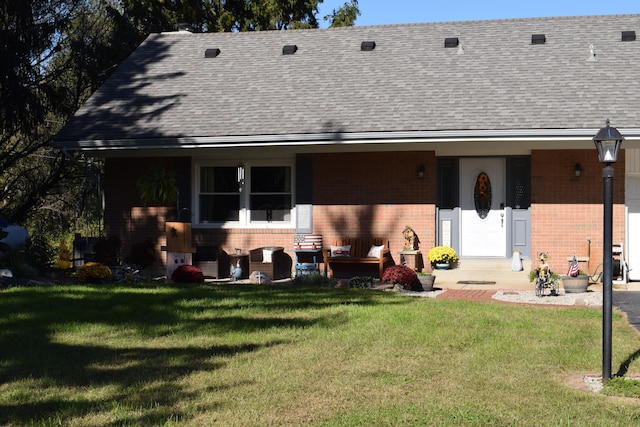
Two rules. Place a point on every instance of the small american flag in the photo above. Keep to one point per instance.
(573, 268)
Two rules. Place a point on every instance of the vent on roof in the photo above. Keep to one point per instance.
(592, 54)
(183, 26)
(628, 36)
(289, 49)
(211, 53)
(451, 42)
(538, 39)
(367, 46)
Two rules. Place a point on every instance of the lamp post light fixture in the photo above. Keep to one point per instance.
(608, 141)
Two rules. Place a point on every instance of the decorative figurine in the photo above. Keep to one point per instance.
(236, 272)
(543, 274)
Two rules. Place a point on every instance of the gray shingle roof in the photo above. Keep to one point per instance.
(409, 82)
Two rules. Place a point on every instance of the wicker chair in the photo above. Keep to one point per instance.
(213, 261)
(278, 268)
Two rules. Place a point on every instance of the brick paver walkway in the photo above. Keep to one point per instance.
(469, 295)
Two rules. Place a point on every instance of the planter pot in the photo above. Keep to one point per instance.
(427, 282)
(442, 266)
(574, 285)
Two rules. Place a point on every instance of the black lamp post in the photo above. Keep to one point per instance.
(608, 141)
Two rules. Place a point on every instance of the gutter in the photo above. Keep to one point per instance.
(337, 138)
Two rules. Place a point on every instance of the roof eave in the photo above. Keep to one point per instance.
(442, 136)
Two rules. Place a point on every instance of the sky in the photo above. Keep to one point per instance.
(379, 12)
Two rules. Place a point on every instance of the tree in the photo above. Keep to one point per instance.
(151, 16)
(56, 53)
(27, 170)
(345, 16)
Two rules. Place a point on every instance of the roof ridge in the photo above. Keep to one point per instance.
(411, 24)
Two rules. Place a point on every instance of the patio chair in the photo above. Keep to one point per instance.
(213, 261)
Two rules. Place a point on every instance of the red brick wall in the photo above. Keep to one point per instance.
(125, 215)
(378, 194)
(355, 194)
(245, 239)
(375, 195)
(566, 210)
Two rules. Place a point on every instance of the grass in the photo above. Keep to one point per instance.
(298, 355)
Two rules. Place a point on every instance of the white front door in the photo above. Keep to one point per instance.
(482, 199)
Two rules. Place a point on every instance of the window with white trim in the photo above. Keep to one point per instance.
(270, 193)
(244, 195)
(220, 191)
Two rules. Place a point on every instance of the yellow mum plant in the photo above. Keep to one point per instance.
(93, 271)
(442, 255)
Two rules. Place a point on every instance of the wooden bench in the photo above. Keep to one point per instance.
(358, 263)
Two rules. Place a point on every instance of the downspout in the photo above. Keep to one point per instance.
(588, 255)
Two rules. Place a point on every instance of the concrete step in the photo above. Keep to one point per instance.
(492, 264)
(486, 273)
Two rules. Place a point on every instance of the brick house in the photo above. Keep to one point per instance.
(363, 130)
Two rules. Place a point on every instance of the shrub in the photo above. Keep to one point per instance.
(313, 279)
(362, 282)
(402, 275)
(40, 251)
(187, 274)
(554, 278)
(93, 271)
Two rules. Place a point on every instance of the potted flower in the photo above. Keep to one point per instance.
(403, 276)
(426, 279)
(575, 284)
(442, 257)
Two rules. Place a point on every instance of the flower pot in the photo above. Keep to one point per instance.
(442, 265)
(574, 285)
(427, 282)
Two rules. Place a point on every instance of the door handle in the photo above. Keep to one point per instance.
(502, 220)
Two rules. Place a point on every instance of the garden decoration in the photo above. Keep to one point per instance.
(64, 257)
(236, 271)
(516, 261)
(411, 241)
(543, 277)
(576, 280)
(179, 249)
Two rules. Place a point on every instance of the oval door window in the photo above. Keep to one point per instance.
(482, 195)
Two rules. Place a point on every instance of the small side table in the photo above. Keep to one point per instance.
(413, 259)
(307, 261)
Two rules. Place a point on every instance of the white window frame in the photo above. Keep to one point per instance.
(245, 213)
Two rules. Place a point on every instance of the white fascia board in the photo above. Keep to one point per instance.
(580, 135)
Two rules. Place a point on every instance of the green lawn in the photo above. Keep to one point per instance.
(291, 355)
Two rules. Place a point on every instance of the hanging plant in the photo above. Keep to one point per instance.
(157, 187)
